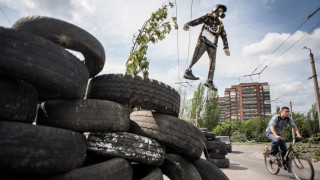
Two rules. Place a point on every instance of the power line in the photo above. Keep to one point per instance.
(187, 62)
(293, 45)
(26, 7)
(33, 6)
(189, 35)
(6, 16)
(178, 43)
(41, 7)
(282, 43)
(285, 51)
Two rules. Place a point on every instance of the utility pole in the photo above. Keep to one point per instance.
(293, 131)
(315, 82)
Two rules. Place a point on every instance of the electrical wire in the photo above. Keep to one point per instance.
(26, 7)
(189, 36)
(33, 6)
(284, 41)
(290, 46)
(41, 7)
(6, 16)
(178, 43)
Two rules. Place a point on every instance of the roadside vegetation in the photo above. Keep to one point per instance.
(253, 131)
(203, 111)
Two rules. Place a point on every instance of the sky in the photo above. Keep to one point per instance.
(255, 29)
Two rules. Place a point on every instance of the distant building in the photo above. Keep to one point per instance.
(245, 101)
(222, 106)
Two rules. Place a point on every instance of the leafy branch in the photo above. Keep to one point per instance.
(153, 30)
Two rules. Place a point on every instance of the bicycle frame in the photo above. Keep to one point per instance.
(297, 163)
(287, 156)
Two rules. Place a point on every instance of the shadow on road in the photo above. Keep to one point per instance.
(235, 166)
(236, 152)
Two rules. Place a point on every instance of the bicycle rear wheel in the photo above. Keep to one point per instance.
(271, 164)
(301, 167)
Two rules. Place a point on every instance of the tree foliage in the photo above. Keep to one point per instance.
(211, 113)
(202, 109)
(153, 30)
(195, 106)
(312, 123)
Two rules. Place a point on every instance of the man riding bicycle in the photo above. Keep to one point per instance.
(274, 129)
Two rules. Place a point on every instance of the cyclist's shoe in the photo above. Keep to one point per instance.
(210, 85)
(188, 75)
(273, 158)
(288, 169)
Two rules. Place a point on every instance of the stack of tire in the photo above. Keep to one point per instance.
(215, 150)
(36, 68)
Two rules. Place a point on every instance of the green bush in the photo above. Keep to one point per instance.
(238, 137)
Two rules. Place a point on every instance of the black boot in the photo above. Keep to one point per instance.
(210, 85)
(188, 75)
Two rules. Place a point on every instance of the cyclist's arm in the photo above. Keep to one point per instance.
(298, 133)
(273, 130)
(295, 128)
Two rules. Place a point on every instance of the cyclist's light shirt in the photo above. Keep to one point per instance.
(278, 124)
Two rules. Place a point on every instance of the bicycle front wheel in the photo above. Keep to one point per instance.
(271, 164)
(302, 167)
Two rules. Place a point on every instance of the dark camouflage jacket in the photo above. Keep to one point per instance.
(212, 28)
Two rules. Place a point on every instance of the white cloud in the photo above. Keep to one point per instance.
(270, 41)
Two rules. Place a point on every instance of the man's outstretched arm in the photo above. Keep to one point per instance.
(195, 22)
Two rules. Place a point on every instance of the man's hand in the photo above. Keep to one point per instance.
(227, 52)
(277, 137)
(186, 27)
(299, 136)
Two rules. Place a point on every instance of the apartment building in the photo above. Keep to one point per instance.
(245, 101)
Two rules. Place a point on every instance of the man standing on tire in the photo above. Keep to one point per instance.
(274, 129)
(208, 39)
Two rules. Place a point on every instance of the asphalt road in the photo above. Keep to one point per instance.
(247, 163)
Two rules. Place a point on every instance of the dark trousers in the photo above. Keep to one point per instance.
(198, 52)
(275, 146)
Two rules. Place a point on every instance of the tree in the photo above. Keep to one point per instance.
(195, 105)
(312, 122)
(153, 30)
(211, 111)
(298, 119)
(227, 128)
(183, 102)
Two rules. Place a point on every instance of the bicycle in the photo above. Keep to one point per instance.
(299, 164)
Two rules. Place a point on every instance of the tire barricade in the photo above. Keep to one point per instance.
(58, 125)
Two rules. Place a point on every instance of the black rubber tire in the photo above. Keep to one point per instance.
(66, 35)
(178, 168)
(221, 151)
(204, 129)
(115, 169)
(169, 130)
(85, 115)
(221, 163)
(137, 91)
(299, 162)
(126, 145)
(209, 135)
(209, 171)
(217, 156)
(145, 172)
(26, 148)
(218, 145)
(18, 100)
(210, 139)
(42, 63)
